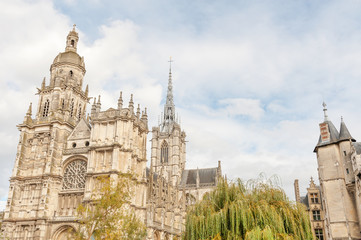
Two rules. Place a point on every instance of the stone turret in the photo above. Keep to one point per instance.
(337, 181)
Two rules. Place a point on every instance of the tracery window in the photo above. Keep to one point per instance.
(46, 108)
(164, 152)
(74, 175)
(72, 107)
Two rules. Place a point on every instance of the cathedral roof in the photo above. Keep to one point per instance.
(207, 176)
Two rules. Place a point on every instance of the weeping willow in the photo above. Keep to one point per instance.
(253, 211)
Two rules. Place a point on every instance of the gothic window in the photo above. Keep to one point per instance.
(72, 107)
(46, 108)
(319, 234)
(74, 175)
(314, 197)
(164, 152)
(79, 111)
(316, 215)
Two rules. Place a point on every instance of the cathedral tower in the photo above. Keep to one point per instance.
(168, 154)
(37, 175)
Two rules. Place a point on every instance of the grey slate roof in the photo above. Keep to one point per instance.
(334, 135)
(344, 133)
(207, 176)
(357, 146)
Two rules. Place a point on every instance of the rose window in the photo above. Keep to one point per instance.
(74, 175)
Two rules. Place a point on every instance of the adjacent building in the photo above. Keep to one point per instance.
(62, 151)
(313, 202)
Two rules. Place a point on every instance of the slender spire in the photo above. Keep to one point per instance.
(169, 109)
(325, 111)
(43, 84)
(120, 101)
(29, 111)
(344, 133)
(131, 104)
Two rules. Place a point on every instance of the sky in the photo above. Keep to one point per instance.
(249, 77)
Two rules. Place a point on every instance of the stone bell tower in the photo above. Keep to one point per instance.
(37, 175)
(168, 154)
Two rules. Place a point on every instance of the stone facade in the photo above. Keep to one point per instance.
(339, 170)
(61, 152)
(313, 202)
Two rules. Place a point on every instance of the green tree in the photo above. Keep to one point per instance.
(109, 215)
(254, 211)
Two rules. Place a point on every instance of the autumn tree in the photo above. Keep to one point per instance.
(108, 215)
(257, 210)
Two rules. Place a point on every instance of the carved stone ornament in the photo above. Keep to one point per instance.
(74, 175)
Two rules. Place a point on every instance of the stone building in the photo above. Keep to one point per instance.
(313, 202)
(339, 170)
(61, 152)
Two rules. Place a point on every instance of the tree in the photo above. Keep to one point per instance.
(258, 210)
(109, 215)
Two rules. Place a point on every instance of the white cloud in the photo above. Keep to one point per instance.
(240, 61)
(243, 106)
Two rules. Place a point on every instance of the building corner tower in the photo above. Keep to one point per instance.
(337, 180)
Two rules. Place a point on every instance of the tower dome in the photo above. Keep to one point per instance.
(70, 56)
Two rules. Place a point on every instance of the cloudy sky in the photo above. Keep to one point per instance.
(249, 76)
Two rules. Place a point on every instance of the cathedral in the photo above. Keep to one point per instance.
(339, 171)
(62, 151)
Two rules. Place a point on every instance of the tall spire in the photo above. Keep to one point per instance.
(169, 109)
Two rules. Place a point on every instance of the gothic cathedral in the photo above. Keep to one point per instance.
(61, 152)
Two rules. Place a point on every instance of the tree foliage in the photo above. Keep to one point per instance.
(109, 215)
(257, 210)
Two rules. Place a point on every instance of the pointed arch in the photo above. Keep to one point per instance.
(46, 108)
(164, 152)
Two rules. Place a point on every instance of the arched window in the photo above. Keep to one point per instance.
(79, 111)
(46, 108)
(72, 43)
(164, 152)
(74, 175)
(71, 73)
(62, 104)
(72, 107)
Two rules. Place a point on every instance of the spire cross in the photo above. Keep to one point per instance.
(74, 25)
(325, 111)
(170, 62)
